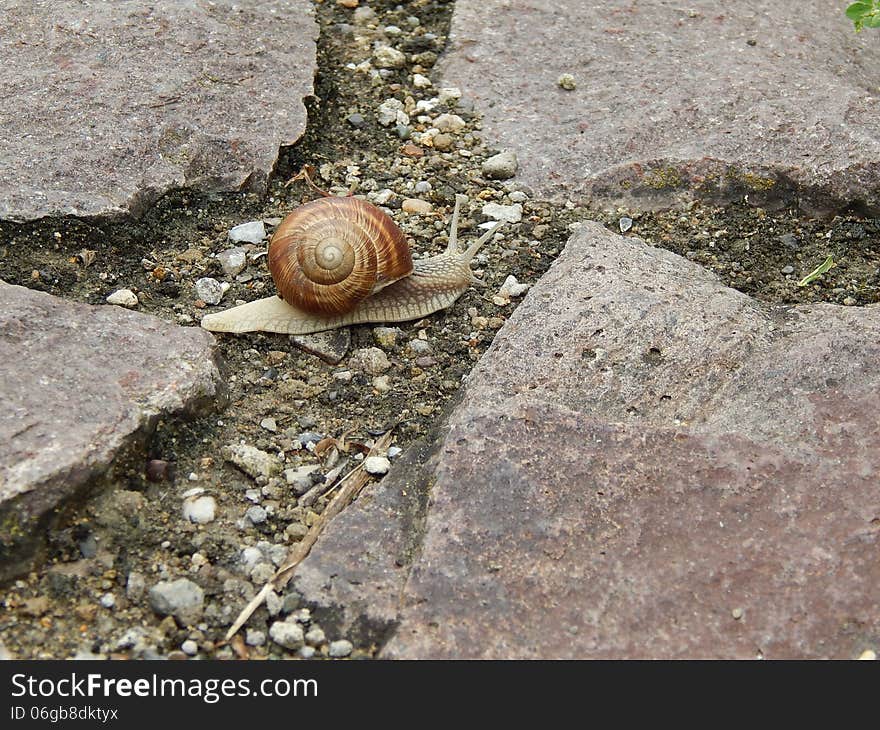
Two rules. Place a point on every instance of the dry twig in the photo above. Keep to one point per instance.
(350, 485)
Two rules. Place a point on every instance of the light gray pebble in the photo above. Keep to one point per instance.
(341, 648)
(315, 636)
(788, 269)
(296, 531)
(388, 57)
(376, 465)
(419, 347)
(511, 287)
(300, 479)
(518, 196)
(108, 600)
(449, 94)
(625, 223)
(391, 111)
(200, 510)
(250, 556)
(251, 232)
(301, 615)
(403, 131)
(449, 123)
(309, 437)
(135, 585)
(501, 166)
(422, 186)
(254, 637)
(274, 602)
(253, 495)
(307, 652)
(189, 647)
(233, 260)
(394, 451)
(256, 515)
(286, 634)
(382, 197)
(180, 598)
(369, 359)
(506, 213)
(123, 298)
(364, 14)
(262, 573)
(251, 460)
(209, 290)
(269, 424)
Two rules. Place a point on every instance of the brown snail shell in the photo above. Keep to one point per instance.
(330, 254)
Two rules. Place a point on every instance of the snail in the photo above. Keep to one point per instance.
(338, 261)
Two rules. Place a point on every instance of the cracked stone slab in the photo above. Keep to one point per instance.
(645, 463)
(674, 100)
(111, 105)
(79, 384)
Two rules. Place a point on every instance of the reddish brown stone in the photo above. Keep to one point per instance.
(645, 463)
(675, 100)
(78, 385)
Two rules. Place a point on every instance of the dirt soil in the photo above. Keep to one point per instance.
(129, 533)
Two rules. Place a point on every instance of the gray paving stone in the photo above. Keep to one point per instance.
(640, 457)
(745, 99)
(109, 105)
(78, 384)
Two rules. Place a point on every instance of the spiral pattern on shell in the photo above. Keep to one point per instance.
(330, 254)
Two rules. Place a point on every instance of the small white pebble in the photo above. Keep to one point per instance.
(108, 600)
(737, 613)
(376, 465)
(868, 655)
(254, 637)
(341, 648)
(269, 424)
(189, 647)
(123, 298)
(200, 509)
(421, 82)
(414, 205)
(251, 232)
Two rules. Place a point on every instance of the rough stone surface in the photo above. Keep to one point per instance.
(655, 450)
(77, 384)
(110, 105)
(746, 99)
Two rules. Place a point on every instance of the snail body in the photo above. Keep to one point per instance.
(376, 282)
